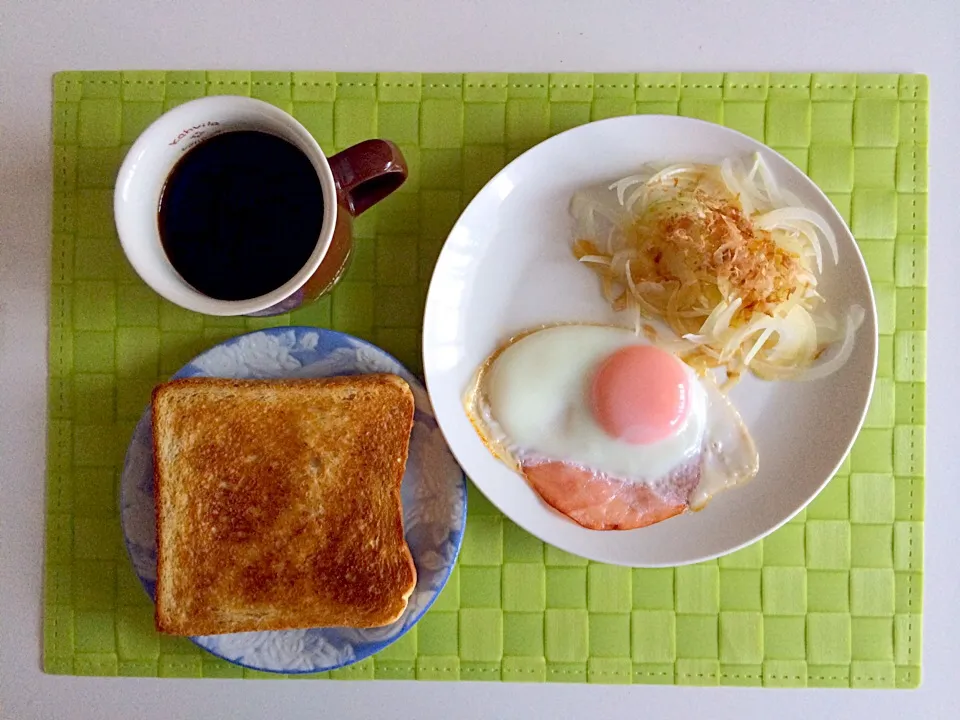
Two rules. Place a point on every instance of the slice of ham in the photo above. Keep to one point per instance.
(598, 502)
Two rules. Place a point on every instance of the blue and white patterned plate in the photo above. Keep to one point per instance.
(433, 492)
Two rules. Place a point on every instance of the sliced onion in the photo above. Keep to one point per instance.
(797, 339)
(769, 182)
(821, 370)
(671, 171)
(782, 217)
(754, 168)
(651, 287)
(800, 324)
(598, 259)
(639, 194)
(718, 322)
(621, 186)
(630, 284)
(740, 336)
(800, 238)
(728, 173)
(787, 307)
(825, 321)
(761, 341)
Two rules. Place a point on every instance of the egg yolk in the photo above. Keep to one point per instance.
(640, 394)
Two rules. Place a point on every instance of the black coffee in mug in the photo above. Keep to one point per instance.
(240, 214)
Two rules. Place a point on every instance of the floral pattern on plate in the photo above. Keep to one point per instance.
(433, 492)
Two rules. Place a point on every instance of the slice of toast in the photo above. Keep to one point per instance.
(278, 503)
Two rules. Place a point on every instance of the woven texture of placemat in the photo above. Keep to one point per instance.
(831, 599)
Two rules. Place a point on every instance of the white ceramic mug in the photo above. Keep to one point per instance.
(351, 182)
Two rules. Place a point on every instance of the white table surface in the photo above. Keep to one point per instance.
(38, 38)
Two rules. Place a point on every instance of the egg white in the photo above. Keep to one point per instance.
(532, 400)
(537, 394)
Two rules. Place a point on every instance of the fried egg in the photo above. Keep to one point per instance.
(607, 427)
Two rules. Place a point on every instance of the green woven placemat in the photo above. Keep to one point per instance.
(831, 599)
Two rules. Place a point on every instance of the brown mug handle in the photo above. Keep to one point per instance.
(366, 173)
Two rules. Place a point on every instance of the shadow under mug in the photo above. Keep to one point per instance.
(351, 181)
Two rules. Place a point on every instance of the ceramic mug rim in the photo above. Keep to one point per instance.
(154, 267)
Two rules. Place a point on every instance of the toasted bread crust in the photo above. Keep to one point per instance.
(278, 503)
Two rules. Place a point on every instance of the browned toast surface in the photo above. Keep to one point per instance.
(278, 503)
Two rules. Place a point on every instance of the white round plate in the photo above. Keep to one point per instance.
(507, 266)
(433, 493)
